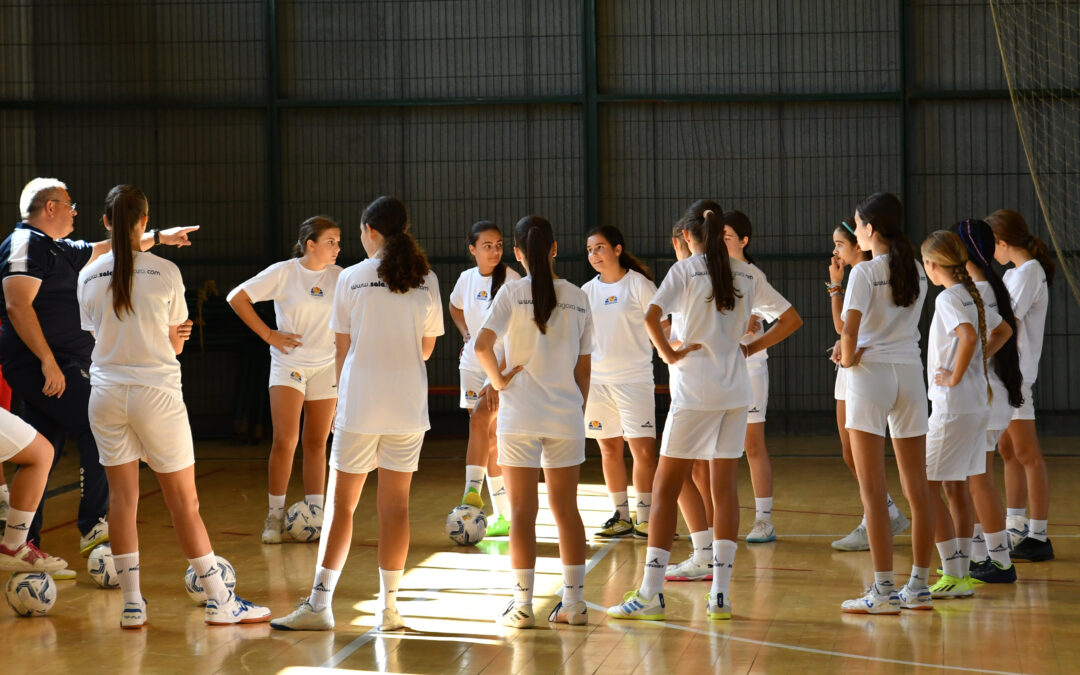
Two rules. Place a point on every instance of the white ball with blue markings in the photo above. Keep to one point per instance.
(304, 521)
(31, 593)
(101, 567)
(466, 525)
(194, 587)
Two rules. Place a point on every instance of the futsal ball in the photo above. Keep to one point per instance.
(195, 590)
(303, 521)
(466, 525)
(31, 593)
(102, 568)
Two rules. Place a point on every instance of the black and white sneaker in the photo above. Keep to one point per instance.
(1031, 549)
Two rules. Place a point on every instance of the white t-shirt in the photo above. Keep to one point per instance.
(1000, 410)
(303, 300)
(955, 306)
(472, 294)
(622, 351)
(384, 386)
(889, 333)
(543, 399)
(759, 360)
(1030, 298)
(714, 377)
(135, 349)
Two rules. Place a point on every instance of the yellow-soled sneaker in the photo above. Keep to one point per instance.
(472, 498)
(719, 606)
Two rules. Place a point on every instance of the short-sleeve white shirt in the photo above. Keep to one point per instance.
(955, 306)
(757, 361)
(383, 387)
(890, 334)
(543, 399)
(1030, 299)
(622, 353)
(472, 295)
(303, 301)
(135, 349)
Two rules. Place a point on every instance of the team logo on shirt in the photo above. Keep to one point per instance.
(595, 425)
(611, 300)
(296, 376)
(470, 395)
(316, 291)
(482, 295)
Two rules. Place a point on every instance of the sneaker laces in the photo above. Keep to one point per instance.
(34, 553)
(612, 521)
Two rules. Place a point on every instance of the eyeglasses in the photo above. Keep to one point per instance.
(74, 206)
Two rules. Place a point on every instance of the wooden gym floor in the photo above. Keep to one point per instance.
(786, 594)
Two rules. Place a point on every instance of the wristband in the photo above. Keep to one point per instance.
(157, 237)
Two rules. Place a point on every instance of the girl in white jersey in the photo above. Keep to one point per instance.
(302, 378)
(990, 558)
(387, 315)
(714, 297)
(1026, 478)
(880, 346)
(133, 303)
(546, 329)
(621, 402)
(470, 302)
(846, 253)
(964, 334)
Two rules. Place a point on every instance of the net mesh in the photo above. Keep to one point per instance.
(1040, 51)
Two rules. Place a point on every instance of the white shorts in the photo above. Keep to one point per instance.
(892, 394)
(316, 384)
(362, 453)
(840, 388)
(956, 446)
(15, 435)
(704, 434)
(759, 383)
(532, 452)
(1026, 411)
(621, 411)
(132, 422)
(992, 438)
(1000, 411)
(472, 381)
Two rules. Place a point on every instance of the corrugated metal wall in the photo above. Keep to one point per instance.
(247, 116)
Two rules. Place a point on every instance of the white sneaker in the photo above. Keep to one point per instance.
(390, 619)
(899, 523)
(762, 532)
(873, 603)
(29, 558)
(1016, 528)
(576, 614)
(271, 533)
(235, 610)
(63, 574)
(518, 615)
(637, 606)
(719, 605)
(856, 540)
(920, 599)
(98, 534)
(134, 615)
(689, 570)
(304, 617)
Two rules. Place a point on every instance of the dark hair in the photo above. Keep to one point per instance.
(740, 223)
(125, 205)
(404, 264)
(849, 236)
(498, 275)
(626, 259)
(978, 238)
(1011, 228)
(533, 237)
(703, 221)
(885, 212)
(310, 230)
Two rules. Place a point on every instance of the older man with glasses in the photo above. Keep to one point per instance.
(44, 353)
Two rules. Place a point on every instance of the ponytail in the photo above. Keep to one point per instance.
(886, 214)
(1011, 228)
(125, 206)
(404, 265)
(498, 275)
(740, 225)
(615, 238)
(702, 221)
(533, 237)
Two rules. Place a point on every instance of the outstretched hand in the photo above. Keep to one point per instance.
(176, 236)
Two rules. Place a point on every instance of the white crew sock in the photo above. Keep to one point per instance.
(500, 503)
(621, 504)
(997, 545)
(322, 588)
(953, 561)
(573, 584)
(723, 565)
(884, 582)
(919, 579)
(763, 509)
(474, 478)
(315, 500)
(1016, 513)
(893, 511)
(644, 507)
(18, 526)
(277, 506)
(964, 546)
(978, 544)
(702, 542)
(656, 561)
(389, 581)
(127, 573)
(1037, 529)
(523, 586)
(209, 575)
